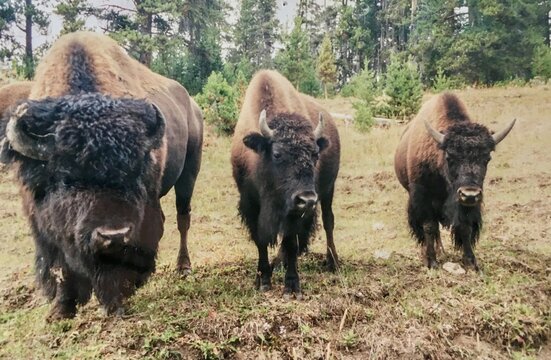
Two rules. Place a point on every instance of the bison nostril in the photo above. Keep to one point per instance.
(306, 200)
(110, 235)
(469, 195)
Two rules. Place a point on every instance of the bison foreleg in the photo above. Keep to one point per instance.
(264, 270)
(328, 225)
(292, 281)
(72, 289)
(184, 263)
(462, 234)
(432, 236)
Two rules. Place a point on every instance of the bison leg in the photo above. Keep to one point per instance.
(462, 234)
(432, 234)
(264, 270)
(72, 290)
(184, 190)
(423, 224)
(292, 281)
(46, 258)
(183, 263)
(60, 284)
(329, 225)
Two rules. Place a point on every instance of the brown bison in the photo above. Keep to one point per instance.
(441, 161)
(98, 141)
(285, 156)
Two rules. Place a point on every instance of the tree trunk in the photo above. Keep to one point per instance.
(325, 89)
(146, 28)
(28, 60)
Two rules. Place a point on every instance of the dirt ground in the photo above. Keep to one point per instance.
(373, 308)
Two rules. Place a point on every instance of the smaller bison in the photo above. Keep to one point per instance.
(441, 161)
(285, 157)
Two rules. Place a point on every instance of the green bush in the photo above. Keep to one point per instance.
(361, 85)
(219, 103)
(442, 82)
(541, 64)
(403, 86)
(363, 118)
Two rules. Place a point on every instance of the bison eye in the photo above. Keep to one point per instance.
(277, 155)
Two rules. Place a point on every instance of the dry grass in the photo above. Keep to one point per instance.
(373, 309)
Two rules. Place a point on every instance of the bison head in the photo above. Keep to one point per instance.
(467, 148)
(289, 152)
(86, 161)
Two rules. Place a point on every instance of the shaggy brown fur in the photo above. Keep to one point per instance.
(13, 93)
(266, 185)
(84, 86)
(440, 177)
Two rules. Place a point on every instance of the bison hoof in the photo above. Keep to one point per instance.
(471, 264)
(433, 264)
(331, 265)
(114, 310)
(184, 271)
(60, 312)
(263, 284)
(288, 293)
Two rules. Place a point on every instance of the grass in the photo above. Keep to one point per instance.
(373, 308)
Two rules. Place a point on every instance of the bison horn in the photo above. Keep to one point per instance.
(264, 128)
(318, 132)
(38, 147)
(503, 133)
(436, 135)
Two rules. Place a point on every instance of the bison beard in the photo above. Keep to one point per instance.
(98, 172)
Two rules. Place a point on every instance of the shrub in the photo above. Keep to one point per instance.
(219, 103)
(403, 86)
(365, 90)
(363, 118)
(442, 82)
(541, 64)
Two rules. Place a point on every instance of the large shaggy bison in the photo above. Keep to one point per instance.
(441, 161)
(285, 156)
(98, 141)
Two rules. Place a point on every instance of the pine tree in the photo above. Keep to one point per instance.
(73, 13)
(256, 33)
(327, 71)
(295, 60)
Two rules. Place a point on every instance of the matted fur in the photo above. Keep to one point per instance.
(114, 156)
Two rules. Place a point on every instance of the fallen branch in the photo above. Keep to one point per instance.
(379, 121)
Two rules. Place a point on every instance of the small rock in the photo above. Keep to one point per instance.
(382, 254)
(453, 268)
(378, 226)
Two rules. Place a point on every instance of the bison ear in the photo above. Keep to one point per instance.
(256, 142)
(156, 128)
(323, 143)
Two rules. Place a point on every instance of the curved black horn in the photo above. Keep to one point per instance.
(264, 128)
(436, 135)
(503, 133)
(34, 146)
(318, 132)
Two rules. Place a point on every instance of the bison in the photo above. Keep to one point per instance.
(285, 156)
(441, 161)
(98, 141)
